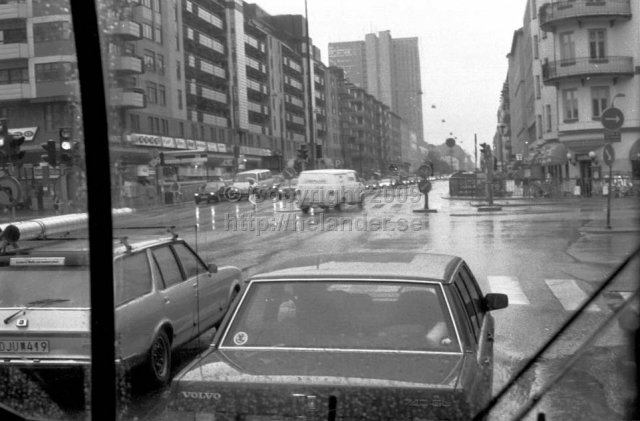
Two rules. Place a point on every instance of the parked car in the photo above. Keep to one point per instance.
(373, 336)
(287, 189)
(165, 296)
(213, 191)
(329, 188)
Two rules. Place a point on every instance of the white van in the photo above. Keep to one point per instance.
(329, 188)
(258, 181)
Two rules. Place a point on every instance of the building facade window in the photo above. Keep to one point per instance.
(181, 128)
(179, 99)
(147, 31)
(160, 64)
(162, 95)
(55, 72)
(157, 34)
(13, 35)
(149, 61)
(165, 127)
(549, 117)
(570, 104)
(134, 122)
(567, 48)
(152, 93)
(178, 70)
(597, 43)
(10, 76)
(599, 100)
(52, 31)
(536, 51)
(538, 87)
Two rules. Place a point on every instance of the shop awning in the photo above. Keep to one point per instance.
(551, 154)
(634, 152)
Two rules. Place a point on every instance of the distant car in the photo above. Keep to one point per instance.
(287, 189)
(384, 182)
(371, 184)
(395, 336)
(213, 191)
(253, 182)
(165, 296)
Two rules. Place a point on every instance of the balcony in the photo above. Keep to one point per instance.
(555, 71)
(127, 29)
(15, 10)
(127, 65)
(553, 14)
(127, 98)
(14, 51)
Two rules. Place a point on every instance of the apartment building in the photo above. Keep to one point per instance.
(388, 69)
(584, 59)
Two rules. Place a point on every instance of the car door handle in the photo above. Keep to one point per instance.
(167, 300)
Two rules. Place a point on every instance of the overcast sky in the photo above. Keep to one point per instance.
(463, 48)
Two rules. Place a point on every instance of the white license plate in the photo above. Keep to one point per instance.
(24, 347)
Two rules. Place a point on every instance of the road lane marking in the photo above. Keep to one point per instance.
(570, 295)
(508, 285)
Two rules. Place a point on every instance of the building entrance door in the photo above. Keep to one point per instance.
(586, 176)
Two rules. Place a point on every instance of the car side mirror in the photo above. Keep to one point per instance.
(496, 301)
(213, 268)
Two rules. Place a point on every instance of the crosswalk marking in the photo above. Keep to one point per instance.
(570, 295)
(508, 285)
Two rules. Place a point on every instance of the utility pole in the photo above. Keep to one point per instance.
(312, 143)
(475, 153)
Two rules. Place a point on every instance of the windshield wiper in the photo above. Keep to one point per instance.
(39, 303)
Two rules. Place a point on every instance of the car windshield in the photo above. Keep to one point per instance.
(501, 139)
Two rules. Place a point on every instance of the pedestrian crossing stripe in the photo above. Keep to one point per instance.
(570, 295)
(566, 291)
(508, 285)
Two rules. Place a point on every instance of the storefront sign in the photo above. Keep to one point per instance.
(212, 147)
(181, 143)
(172, 158)
(201, 145)
(191, 144)
(28, 132)
(168, 142)
(223, 148)
(145, 140)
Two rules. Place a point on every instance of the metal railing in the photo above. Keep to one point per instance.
(564, 10)
(587, 66)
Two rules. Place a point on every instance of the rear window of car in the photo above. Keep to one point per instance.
(344, 315)
(20, 285)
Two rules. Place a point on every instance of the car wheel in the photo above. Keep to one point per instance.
(159, 360)
(304, 209)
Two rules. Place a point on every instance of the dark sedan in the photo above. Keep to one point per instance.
(213, 191)
(379, 336)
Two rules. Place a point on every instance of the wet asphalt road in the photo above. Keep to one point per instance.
(532, 251)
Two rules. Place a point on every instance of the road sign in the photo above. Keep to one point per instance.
(612, 136)
(451, 142)
(612, 118)
(608, 155)
(288, 173)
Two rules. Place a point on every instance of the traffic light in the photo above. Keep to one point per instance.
(485, 149)
(4, 141)
(51, 156)
(15, 154)
(303, 153)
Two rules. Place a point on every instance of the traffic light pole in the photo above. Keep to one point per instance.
(489, 166)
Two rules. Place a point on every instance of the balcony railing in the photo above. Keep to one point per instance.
(585, 66)
(127, 98)
(552, 14)
(127, 29)
(14, 51)
(127, 64)
(13, 10)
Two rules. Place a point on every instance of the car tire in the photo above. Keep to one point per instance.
(159, 360)
(304, 209)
